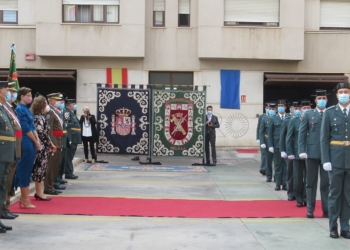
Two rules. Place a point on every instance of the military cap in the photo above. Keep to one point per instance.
(69, 101)
(271, 104)
(55, 96)
(3, 84)
(282, 101)
(319, 92)
(37, 94)
(12, 86)
(304, 103)
(294, 104)
(342, 85)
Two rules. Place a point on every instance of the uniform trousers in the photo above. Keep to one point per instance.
(263, 161)
(268, 160)
(68, 168)
(4, 171)
(339, 198)
(9, 181)
(52, 170)
(63, 163)
(290, 191)
(312, 168)
(280, 169)
(299, 174)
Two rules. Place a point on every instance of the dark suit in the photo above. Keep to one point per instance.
(289, 163)
(262, 151)
(210, 136)
(335, 130)
(309, 143)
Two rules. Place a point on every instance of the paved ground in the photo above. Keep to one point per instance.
(235, 178)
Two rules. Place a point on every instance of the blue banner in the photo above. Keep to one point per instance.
(230, 81)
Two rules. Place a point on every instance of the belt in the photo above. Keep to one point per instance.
(7, 138)
(76, 129)
(18, 134)
(64, 131)
(266, 136)
(340, 143)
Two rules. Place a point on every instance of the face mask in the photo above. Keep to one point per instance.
(210, 112)
(62, 106)
(305, 110)
(28, 99)
(297, 113)
(280, 109)
(343, 98)
(321, 103)
(57, 104)
(75, 107)
(267, 111)
(8, 96)
(272, 112)
(14, 98)
(47, 109)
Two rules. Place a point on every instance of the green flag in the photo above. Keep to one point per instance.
(12, 77)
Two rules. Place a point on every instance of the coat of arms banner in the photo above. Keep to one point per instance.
(123, 121)
(178, 123)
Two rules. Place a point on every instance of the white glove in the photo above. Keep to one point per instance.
(327, 166)
(283, 154)
(263, 146)
(271, 149)
(291, 157)
(303, 156)
(258, 141)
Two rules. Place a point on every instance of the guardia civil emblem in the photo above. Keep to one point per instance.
(178, 127)
(123, 124)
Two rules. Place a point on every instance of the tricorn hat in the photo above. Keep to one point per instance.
(304, 103)
(342, 85)
(3, 84)
(271, 104)
(69, 101)
(294, 104)
(319, 92)
(282, 101)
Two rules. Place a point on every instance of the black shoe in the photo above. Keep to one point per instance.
(291, 198)
(325, 215)
(310, 215)
(7, 216)
(334, 233)
(278, 188)
(285, 188)
(7, 228)
(51, 192)
(72, 177)
(59, 187)
(263, 172)
(63, 181)
(208, 163)
(268, 180)
(37, 197)
(58, 191)
(136, 158)
(2, 230)
(345, 234)
(305, 203)
(214, 163)
(299, 204)
(16, 215)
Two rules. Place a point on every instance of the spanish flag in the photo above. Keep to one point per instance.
(117, 76)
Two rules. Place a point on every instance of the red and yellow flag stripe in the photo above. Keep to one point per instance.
(117, 76)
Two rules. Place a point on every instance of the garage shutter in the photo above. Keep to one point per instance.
(335, 14)
(8, 4)
(91, 2)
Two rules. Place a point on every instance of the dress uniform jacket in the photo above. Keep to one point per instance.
(260, 120)
(264, 130)
(17, 128)
(73, 126)
(54, 119)
(283, 137)
(292, 137)
(275, 129)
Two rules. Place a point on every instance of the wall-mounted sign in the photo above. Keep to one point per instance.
(30, 57)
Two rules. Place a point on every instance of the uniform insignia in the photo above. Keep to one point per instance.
(335, 119)
(312, 118)
(47, 116)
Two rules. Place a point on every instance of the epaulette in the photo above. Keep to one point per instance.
(331, 107)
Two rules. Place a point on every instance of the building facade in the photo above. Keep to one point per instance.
(283, 48)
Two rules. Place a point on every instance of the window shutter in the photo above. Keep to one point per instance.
(8, 4)
(335, 14)
(158, 5)
(184, 6)
(252, 11)
(91, 2)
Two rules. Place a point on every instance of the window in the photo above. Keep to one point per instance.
(251, 12)
(8, 11)
(91, 11)
(335, 14)
(159, 13)
(184, 13)
(170, 78)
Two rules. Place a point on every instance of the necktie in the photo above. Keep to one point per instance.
(282, 117)
(345, 111)
(321, 113)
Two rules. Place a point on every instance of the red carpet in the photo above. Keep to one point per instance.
(167, 208)
(247, 150)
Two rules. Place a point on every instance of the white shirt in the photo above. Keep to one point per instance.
(342, 108)
(87, 128)
(282, 116)
(209, 117)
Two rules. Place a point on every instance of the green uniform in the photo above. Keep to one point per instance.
(263, 137)
(7, 149)
(65, 146)
(309, 143)
(274, 142)
(262, 150)
(335, 134)
(299, 168)
(74, 133)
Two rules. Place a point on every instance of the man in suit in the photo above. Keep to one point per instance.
(7, 146)
(262, 151)
(299, 168)
(310, 149)
(6, 213)
(54, 119)
(74, 133)
(335, 154)
(274, 145)
(210, 125)
(294, 106)
(263, 137)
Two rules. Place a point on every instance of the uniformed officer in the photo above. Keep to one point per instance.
(274, 145)
(6, 213)
(7, 146)
(65, 145)
(74, 133)
(263, 137)
(335, 153)
(299, 168)
(262, 151)
(54, 119)
(294, 106)
(310, 149)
